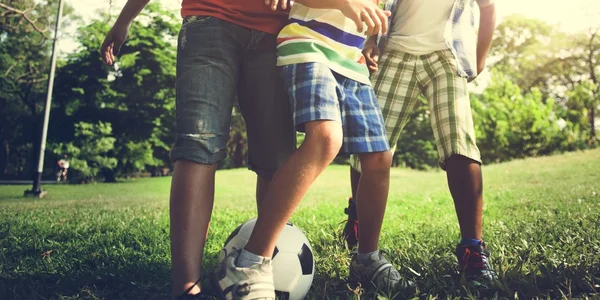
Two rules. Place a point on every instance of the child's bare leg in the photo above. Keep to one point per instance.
(291, 182)
(370, 265)
(371, 197)
(262, 186)
(192, 197)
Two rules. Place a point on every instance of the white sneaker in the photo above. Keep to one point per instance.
(253, 283)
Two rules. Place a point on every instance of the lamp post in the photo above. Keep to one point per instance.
(36, 191)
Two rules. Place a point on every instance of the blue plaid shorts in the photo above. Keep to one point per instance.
(318, 93)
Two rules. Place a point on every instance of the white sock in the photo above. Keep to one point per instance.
(364, 258)
(248, 259)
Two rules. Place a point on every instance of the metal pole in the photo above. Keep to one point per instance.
(36, 190)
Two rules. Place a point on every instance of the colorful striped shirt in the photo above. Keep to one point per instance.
(324, 36)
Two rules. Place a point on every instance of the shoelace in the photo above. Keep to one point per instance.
(478, 262)
(355, 229)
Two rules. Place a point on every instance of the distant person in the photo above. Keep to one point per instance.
(433, 49)
(63, 168)
(224, 48)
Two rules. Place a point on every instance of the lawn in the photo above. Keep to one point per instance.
(111, 241)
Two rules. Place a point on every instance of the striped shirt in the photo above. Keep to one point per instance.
(324, 36)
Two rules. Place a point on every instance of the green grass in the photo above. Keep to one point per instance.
(111, 241)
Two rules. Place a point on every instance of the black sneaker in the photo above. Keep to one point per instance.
(473, 262)
(350, 233)
(379, 273)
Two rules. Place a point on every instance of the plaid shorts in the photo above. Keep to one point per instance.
(402, 77)
(317, 93)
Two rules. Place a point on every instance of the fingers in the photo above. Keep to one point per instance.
(367, 54)
(373, 68)
(117, 46)
(110, 47)
(375, 53)
(273, 4)
(383, 18)
(371, 60)
(370, 21)
(371, 55)
(106, 50)
(358, 21)
(376, 20)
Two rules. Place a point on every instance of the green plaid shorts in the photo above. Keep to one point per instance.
(401, 78)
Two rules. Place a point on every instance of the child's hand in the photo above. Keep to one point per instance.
(371, 54)
(273, 4)
(361, 11)
(112, 43)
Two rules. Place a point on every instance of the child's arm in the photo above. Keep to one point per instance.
(360, 11)
(118, 33)
(487, 22)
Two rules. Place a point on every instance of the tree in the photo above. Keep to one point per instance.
(136, 96)
(532, 53)
(416, 146)
(581, 103)
(24, 62)
(237, 146)
(536, 55)
(511, 125)
(90, 151)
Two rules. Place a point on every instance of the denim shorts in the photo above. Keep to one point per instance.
(317, 93)
(218, 63)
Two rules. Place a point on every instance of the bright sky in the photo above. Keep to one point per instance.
(576, 16)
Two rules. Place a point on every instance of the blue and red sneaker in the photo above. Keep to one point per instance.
(473, 262)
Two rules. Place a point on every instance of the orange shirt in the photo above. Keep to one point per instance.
(253, 14)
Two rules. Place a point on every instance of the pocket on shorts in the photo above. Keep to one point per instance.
(191, 20)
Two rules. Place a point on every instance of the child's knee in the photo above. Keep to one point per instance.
(376, 162)
(325, 138)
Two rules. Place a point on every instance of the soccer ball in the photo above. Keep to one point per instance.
(293, 263)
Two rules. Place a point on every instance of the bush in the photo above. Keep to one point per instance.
(88, 152)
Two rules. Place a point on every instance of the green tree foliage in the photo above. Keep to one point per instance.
(237, 146)
(25, 42)
(416, 146)
(136, 96)
(534, 54)
(542, 98)
(510, 125)
(91, 151)
(579, 111)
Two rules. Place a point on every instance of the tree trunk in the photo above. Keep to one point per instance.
(237, 159)
(109, 175)
(4, 157)
(592, 125)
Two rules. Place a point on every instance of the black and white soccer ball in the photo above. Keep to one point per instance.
(293, 262)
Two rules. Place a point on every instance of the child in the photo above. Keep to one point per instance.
(433, 49)
(226, 53)
(332, 101)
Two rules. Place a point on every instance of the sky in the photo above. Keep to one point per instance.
(578, 15)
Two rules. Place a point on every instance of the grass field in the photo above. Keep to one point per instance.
(111, 241)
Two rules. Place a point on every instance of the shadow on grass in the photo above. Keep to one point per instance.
(147, 281)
